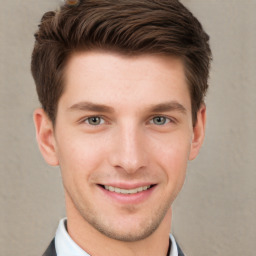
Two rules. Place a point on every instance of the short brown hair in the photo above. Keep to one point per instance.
(129, 27)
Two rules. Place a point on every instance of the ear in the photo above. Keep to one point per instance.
(198, 133)
(45, 136)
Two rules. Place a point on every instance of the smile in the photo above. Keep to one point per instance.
(126, 191)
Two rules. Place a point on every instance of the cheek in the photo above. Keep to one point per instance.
(80, 156)
(172, 155)
(174, 163)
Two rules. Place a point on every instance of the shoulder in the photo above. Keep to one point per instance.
(50, 251)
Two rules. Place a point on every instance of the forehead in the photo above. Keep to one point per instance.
(108, 59)
(109, 77)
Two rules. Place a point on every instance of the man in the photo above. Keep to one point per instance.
(122, 86)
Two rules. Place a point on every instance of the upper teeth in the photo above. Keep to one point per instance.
(126, 191)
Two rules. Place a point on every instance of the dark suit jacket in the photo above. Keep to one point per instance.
(52, 252)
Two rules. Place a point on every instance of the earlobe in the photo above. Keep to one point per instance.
(198, 132)
(45, 137)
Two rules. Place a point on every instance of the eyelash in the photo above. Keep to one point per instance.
(166, 120)
(87, 119)
(151, 121)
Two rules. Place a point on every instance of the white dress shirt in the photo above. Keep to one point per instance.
(65, 246)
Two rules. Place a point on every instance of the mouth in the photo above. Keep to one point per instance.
(127, 191)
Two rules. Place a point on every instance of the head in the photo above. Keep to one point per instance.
(122, 86)
(132, 27)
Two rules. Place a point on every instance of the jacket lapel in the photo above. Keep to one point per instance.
(50, 251)
(180, 253)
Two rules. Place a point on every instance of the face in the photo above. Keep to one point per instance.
(122, 138)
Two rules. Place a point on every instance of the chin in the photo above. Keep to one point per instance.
(128, 236)
(129, 229)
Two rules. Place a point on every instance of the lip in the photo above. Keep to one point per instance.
(128, 185)
(125, 199)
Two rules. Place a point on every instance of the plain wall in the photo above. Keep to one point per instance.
(215, 213)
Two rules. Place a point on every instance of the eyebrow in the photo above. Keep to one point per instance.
(94, 107)
(168, 106)
(89, 106)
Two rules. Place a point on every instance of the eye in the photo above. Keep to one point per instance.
(160, 120)
(94, 120)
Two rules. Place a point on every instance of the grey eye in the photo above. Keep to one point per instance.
(160, 120)
(94, 120)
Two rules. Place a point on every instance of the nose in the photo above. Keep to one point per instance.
(128, 151)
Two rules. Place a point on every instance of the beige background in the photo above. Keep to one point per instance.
(215, 213)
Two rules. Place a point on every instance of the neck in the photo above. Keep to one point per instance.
(95, 243)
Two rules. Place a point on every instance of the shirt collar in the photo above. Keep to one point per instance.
(65, 246)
